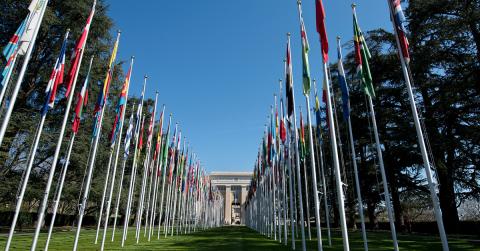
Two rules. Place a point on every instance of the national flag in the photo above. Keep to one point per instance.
(324, 99)
(305, 49)
(150, 129)
(283, 130)
(362, 55)
(10, 51)
(289, 81)
(103, 94)
(79, 47)
(398, 19)
(122, 101)
(56, 77)
(322, 31)
(343, 83)
(82, 100)
(140, 143)
(33, 19)
(159, 137)
(317, 109)
(128, 136)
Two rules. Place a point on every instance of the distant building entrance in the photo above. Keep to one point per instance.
(234, 188)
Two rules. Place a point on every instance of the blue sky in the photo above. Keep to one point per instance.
(216, 63)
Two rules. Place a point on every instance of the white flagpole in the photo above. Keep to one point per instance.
(105, 185)
(145, 172)
(63, 175)
(133, 175)
(421, 140)
(355, 169)
(31, 158)
(112, 185)
(382, 167)
(165, 165)
(83, 204)
(43, 207)
(21, 75)
(7, 78)
(157, 174)
(297, 159)
(140, 121)
(336, 165)
(120, 185)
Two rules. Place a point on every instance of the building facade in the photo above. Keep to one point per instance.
(234, 188)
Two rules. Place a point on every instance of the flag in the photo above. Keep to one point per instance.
(343, 83)
(324, 99)
(302, 137)
(289, 82)
(398, 19)
(56, 77)
(283, 130)
(362, 55)
(82, 100)
(120, 108)
(33, 20)
(79, 47)
(10, 51)
(317, 109)
(305, 49)
(102, 95)
(128, 136)
(322, 31)
(150, 129)
(140, 143)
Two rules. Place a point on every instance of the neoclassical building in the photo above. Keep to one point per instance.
(234, 188)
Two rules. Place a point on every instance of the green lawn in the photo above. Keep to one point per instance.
(232, 239)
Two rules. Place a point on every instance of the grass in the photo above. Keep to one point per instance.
(233, 239)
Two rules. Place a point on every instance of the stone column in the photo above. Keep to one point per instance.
(243, 197)
(228, 205)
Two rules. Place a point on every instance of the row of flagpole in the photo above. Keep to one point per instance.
(191, 202)
(279, 151)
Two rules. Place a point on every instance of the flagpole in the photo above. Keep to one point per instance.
(7, 77)
(145, 170)
(133, 175)
(43, 207)
(112, 185)
(91, 164)
(120, 185)
(340, 196)
(18, 85)
(382, 167)
(164, 159)
(297, 160)
(421, 139)
(314, 175)
(139, 123)
(354, 159)
(63, 174)
(33, 153)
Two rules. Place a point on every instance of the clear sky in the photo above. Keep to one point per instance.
(216, 63)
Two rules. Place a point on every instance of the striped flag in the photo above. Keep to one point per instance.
(362, 55)
(103, 94)
(79, 47)
(10, 51)
(128, 136)
(82, 101)
(289, 81)
(305, 49)
(320, 14)
(56, 77)
(343, 83)
(283, 130)
(120, 108)
(398, 19)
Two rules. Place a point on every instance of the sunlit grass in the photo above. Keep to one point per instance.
(232, 239)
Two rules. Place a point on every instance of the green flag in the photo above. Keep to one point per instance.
(362, 55)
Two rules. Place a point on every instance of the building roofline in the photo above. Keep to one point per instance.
(231, 173)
